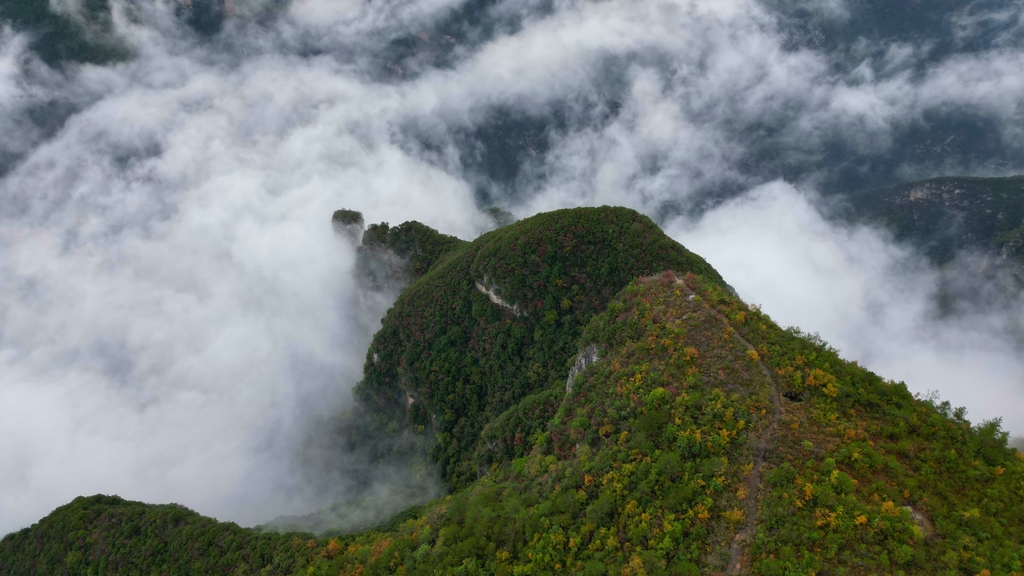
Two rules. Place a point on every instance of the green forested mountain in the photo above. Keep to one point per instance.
(697, 437)
(109, 535)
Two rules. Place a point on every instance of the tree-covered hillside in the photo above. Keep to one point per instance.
(59, 37)
(109, 535)
(701, 438)
(496, 320)
(392, 256)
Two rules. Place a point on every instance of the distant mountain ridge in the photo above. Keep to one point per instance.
(943, 216)
(698, 438)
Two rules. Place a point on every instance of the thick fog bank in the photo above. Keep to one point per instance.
(177, 320)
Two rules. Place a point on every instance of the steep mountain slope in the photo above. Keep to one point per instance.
(944, 215)
(60, 37)
(697, 437)
(497, 320)
(670, 456)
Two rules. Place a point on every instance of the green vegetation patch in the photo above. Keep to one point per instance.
(108, 535)
(417, 243)
(346, 217)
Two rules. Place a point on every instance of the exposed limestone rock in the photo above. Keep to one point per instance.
(922, 521)
(490, 290)
(585, 358)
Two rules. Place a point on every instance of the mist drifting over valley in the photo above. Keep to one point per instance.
(177, 318)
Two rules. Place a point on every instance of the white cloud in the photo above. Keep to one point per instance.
(175, 302)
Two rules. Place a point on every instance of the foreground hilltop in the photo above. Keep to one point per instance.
(671, 429)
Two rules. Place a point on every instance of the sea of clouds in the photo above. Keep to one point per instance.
(177, 317)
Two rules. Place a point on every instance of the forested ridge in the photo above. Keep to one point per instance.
(704, 439)
(448, 360)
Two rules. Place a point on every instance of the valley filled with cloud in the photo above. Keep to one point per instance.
(178, 319)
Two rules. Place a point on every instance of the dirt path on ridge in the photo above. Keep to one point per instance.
(736, 548)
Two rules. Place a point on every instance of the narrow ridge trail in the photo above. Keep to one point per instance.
(736, 548)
